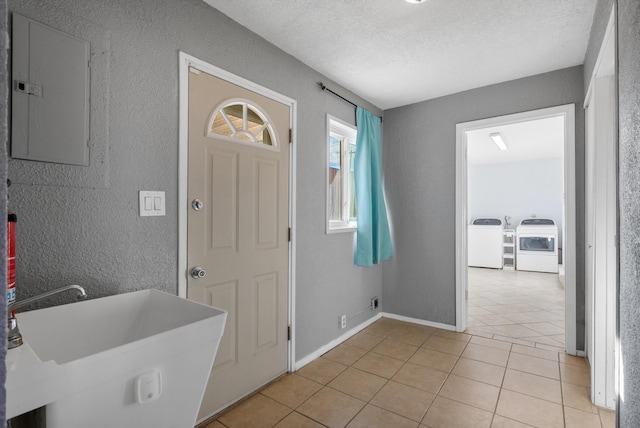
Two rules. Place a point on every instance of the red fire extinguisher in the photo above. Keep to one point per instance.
(12, 219)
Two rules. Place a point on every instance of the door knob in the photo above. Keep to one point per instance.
(197, 272)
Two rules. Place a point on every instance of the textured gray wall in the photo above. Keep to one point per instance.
(629, 196)
(94, 236)
(420, 175)
(3, 198)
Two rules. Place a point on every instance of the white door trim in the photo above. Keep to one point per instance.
(569, 250)
(184, 62)
(602, 291)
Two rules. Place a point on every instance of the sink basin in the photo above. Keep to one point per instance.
(130, 360)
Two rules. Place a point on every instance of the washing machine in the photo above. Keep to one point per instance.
(484, 243)
(537, 245)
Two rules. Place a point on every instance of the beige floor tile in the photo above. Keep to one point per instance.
(535, 352)
(485, 354)
(331, 408)
(414, 337)
(296, 420)
(364, 340)
(486, 331)
(379, 365)
(345, 354)
(534, 365)
(493, 319)
(477, 370)
(574, 418)
(421, 377)
(577, 397)
(522, 342)
(375, 417)
(384, 327)
(390, 348)
(443, 344)
(534, 385)
(445, 413)
(358, 384)
(530, 410)
(573, 360)
(321, 370)
(557, 349)
(520, 318)
(476, 310)
(434, 359)
(257, 411)
(547, 340)
(575, 374)
(447, 334)
(608, 418)
(491, 343)
(471, 392)
(502, 422)
(292, 390)
(404, 400)
(544, 328)
(517, 331)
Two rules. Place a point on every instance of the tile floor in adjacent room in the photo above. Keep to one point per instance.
(398, 374)
(517, 306)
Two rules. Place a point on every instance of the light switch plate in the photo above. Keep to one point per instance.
(151, 203)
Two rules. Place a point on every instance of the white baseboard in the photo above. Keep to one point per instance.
(329, 346)
(419, 321)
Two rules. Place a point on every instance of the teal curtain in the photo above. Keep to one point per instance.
(373, 239)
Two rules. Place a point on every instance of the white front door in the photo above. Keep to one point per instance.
(237, 230)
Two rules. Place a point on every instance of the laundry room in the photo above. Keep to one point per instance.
(515, 230)
(515, 196)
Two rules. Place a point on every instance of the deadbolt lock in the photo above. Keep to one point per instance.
(197, 204)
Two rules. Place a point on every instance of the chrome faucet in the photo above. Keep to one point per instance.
(14, 337)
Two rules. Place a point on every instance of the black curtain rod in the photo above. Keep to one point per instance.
(324, 88)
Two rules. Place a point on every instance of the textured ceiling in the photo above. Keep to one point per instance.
(393, 53)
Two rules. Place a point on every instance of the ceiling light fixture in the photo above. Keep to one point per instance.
(415, 1)
(497, 138)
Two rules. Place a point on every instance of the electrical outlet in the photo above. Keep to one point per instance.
(374, 303)
(343, 321)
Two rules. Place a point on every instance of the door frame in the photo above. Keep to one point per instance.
(569, 248)
(184, 62)
(602, 291)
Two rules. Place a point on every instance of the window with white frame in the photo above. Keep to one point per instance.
(341, 195)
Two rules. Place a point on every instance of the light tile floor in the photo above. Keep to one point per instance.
(517, 306)
(397, 374)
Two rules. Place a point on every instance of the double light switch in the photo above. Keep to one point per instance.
(151, 203)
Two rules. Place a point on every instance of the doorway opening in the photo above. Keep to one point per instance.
(538, 257)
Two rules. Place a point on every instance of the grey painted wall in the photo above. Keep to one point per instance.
(629, 199)
(500, 189)
(92, 234)
(419, 167)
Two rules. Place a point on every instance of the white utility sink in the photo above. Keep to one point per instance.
(130, 360)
